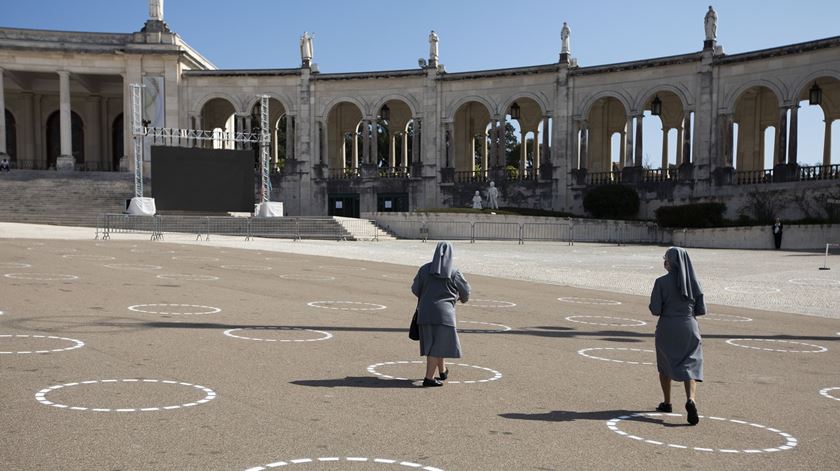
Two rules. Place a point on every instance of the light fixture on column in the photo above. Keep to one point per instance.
(815, 95)
(515, 111)
(656, 106)
(385, 112)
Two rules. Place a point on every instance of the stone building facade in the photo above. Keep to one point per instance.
(350, 143)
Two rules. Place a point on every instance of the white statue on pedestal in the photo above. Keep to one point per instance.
(156, 10)
(493, 196)
(711, 24)
(565, 33)
(477, 200)
(433, 47)
(306, 48)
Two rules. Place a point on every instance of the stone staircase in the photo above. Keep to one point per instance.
(364, 229)
(62, 198)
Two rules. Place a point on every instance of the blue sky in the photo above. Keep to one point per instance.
(474, 35)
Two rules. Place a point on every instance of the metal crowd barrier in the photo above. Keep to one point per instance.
(296, 228)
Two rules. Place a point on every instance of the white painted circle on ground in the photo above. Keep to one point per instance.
(489, 303)
(187, 277)
(827, 393)
(91, 257)
(347, 305)
(724, 318)
(180, 309)
(585, 352)
(752, 289)
(499, 328)
(342, 462)
(247, 267)
(14, 265)
(324, 335)
(790, 441)
(597, 301)
(306, 277)
(194, 258)
(40, 396)
(815, 282)
(637, 323)
(41, 276)
(77, 343)
(133, 266)
(372, 369)
(341, 268)
(633, 267)
(819, 349)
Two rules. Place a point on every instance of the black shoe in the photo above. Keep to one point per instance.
(443, 375)
(431, 383)
(691, 408)
(664, 407)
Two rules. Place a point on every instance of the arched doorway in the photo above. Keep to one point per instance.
(470, 143)
(218, 115)
(818, 112)
(606, 117)
(663, 132)
(525, 139)
(345, 137)
(54, 138)
(756, 110)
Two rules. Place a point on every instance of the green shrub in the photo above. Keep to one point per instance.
(691, 215)
(612, 202)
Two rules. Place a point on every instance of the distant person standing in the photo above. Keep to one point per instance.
(677, 299)
(438, 286)
(4, 165)
(777, 233)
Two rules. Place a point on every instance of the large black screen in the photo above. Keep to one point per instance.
(188, 179)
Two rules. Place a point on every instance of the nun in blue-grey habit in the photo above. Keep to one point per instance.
(438, 285)
(677, 299)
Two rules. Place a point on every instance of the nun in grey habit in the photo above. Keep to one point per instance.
(438, 285)
(677, 299)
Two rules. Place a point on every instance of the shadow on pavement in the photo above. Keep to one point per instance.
(356, 382)
(604, 415)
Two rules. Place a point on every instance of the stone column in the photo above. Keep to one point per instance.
(365, 141)
(415, 142)
(450, 131)
(38, 154)
(686, 139)
(536, 168)
(104, 135)
(545, 135)
(664, 150)
(374, 142)
(680, 146)
(523, 154)
(485, 153)
(781, 137)
(827, 143)
(343, 152)
(392, 151)
(794, 130)
(584, 145)
(638, 151)
(65, 161)
(728, 140)
(290, 138)
(3, 150)
(622, 150)
(354, 153)
(404, 152)
(628, 154)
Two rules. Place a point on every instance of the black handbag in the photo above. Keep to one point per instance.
(414, 329)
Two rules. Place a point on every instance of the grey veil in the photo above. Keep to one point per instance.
(682, 269)
(441, 265)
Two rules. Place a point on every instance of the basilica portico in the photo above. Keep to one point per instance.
(425, 137)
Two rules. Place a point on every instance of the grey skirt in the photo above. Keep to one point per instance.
(440, 341)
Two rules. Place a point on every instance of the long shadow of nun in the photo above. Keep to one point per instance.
(356, 382)
(603, 415)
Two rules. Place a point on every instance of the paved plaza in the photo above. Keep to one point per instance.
(233, 355)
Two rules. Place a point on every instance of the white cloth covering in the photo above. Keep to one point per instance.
(269, 209)
(142, 207)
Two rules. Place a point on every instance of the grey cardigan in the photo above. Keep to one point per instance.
(437, 296)
(667, 301)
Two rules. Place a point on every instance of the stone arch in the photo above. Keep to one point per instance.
(343, 143)
(800, 85)
(755, 109)
(328, 107)
(408, 100)
(457, 104)
(202, 102)
(588, 102)
(732, 98)
(647, 95)
(53, 137)
(538, 99)
(284, 101)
